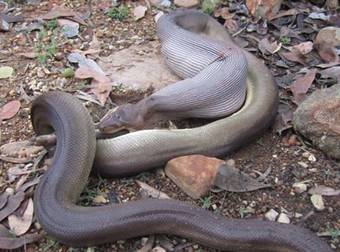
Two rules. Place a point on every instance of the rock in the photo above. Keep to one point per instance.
(265, 9)
(318, 119)
(138, 67)
(326, 42)
(158, 249)
(300, 187)
(283, 218)
(186, 3)
(271, 215)
(317, 202)
(194, 174)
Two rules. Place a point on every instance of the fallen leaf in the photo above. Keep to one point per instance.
(69, 28)
(29, 184)
(14, 201)
(139, 12)
(301, 85)
(28, 55)
(264, 8)
(152, 192)
(265, 46)
(20, 149)
(9, 110)
(317, 202)
(233, 180)
(290, 12)
(3, 199)
(324, 190)
(294, 56)
(332, 72)
(229, 22)
(6, 72)
(319, 15)
(158, 15)
(7, 241)
(62, 11)
(284, 119)
(148, 245)
(303, 48)
(19, 225)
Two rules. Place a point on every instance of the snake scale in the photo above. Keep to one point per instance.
(77, 149)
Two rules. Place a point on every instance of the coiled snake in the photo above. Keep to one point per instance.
(59, 189)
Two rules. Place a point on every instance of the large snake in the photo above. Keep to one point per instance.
(59, 189)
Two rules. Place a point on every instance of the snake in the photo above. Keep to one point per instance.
(78, 151)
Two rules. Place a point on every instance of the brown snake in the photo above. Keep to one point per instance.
(59, 189)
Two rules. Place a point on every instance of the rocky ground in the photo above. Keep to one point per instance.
(36, 44)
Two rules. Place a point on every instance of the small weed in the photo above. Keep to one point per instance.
(285, 40)
(45, 49)
(51, 245)
(118, 13)
(91, 191)
(245, 210)
(52, 24)
(206, 202)
(208, 6)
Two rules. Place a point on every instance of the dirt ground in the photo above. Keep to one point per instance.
(288, 161)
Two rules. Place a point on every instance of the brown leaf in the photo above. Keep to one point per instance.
(3, 199)
(229, 22)
(7, 241)
(301, 86)
(284, 118)
(294, 56)
(324, 190)
(152, 192)
(265, 46)
(101, 84)
(19, 225)
(139, 12)
(13, 203)
(10, 109)
(290, 12)
(303, 48)
(233, 180)
(264, 8)
(62, 11)
(28, 55)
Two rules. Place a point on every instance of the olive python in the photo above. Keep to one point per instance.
(77, 149)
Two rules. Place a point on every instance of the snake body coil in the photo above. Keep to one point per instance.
(59, 189)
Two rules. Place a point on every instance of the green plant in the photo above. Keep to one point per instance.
(91, 191)
(52, 24)
(206, 202)
(118, 13)
(51, 245)
(208, 6)
(285, 40)
(45, 49)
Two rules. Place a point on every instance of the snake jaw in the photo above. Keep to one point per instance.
(110, 122)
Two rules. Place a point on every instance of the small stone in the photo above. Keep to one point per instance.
(312, 158)
(158, 249)
(318, 119)
(317, 202)
(194, 174)
(303, 164)
(40, 73)
(298, 215)
(271, 215)
(186, 3)
(99, 199)
(300, 187)
(283, 218)
(9, 191)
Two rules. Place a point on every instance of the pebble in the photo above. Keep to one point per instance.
(271, 215)
(186, 3)
(283, 218)
(317, 202)
(158, 249)
(300, 187)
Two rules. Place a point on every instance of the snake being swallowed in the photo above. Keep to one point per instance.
(77, 150)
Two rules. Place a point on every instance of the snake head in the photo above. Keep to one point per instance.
(123, 117)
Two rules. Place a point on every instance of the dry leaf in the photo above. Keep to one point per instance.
(317, 202)
(264, 8)
(301, 86)
(7, 241)
(62, 11)
(290, 12)
(19, 225)
(28, 55)
(265, 46)
(294, 56)
(303, 48)
(229, 22)
(152, 192)
(20, 149)
(13, 203)
(6, 72)
(232, 179)
(139, 12)
(324, 190)
(3, 199)
(9, 110)
(284, 118)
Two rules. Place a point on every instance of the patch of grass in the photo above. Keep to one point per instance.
(285, 40)
(206, 202)
(118, 13)
(245, 210)
(52, 24)
(45, 49)
(50, 245)
(208, 6)
(91, 191)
